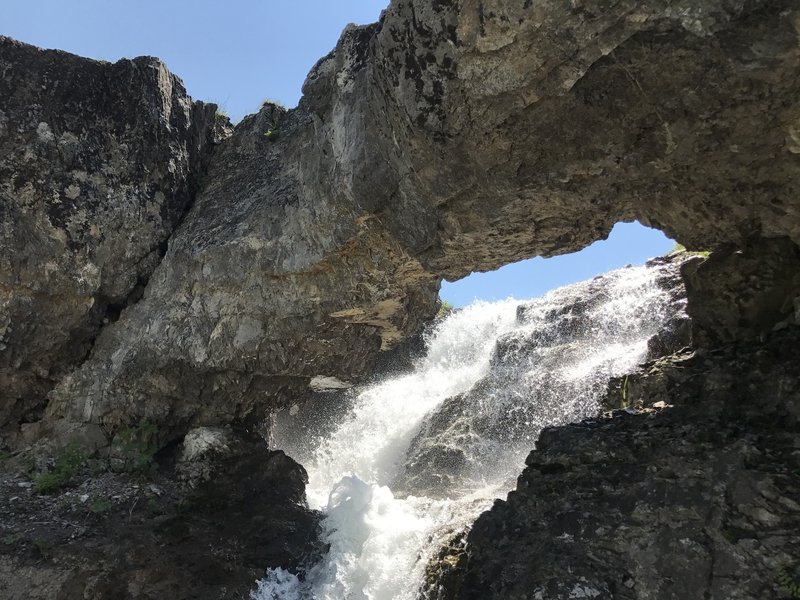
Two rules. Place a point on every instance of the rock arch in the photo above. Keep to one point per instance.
(447, 138)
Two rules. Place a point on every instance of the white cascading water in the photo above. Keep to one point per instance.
(420, 455)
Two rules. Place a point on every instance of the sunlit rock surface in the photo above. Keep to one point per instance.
(449, 137)
(145, 278)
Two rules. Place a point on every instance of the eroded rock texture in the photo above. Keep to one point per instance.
(692, 492)
(449, 137)
(98, 164)
(745, 293)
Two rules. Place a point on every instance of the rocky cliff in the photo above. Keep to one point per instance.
(448, 137)
(98, 165)
(159, 268)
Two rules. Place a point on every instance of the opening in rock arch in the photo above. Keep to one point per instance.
(628, 243)
(404, 464)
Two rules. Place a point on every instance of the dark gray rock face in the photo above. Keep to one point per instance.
(98, 163)
(449, 137)
(694, 494)
(745, 293)
(206, 537)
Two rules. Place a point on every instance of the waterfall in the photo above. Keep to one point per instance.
(420, 455)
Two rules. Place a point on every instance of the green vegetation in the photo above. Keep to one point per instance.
(29, 463)
(272, 135)
(66, 466)
(273, 102)
(221, 114)
(153, 508)
(9, 539)
(677, 248)
(625, 392)
(42, 548)
(98, 505)
(445, 308)
(136, 446)
(789, 582)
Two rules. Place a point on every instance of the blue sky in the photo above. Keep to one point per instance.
(235, 53)
(628, 243)
(241, 52)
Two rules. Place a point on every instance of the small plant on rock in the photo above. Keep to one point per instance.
(42, 548)
(625, 392)
(153, 508)
(272, 135)
(268, 101)
(679, 248)
(789, 582)
(66, 466)
(136, 446)
(99, 505)
(445, 308)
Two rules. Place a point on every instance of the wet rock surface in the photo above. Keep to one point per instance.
(691, 492)
(209, 532)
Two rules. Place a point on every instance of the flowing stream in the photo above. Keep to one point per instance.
(420, 455)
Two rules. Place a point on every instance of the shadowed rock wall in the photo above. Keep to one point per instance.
(692, 492)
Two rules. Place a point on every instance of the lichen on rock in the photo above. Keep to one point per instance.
(445, 139)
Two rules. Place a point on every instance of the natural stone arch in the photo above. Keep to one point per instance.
(447, 138)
